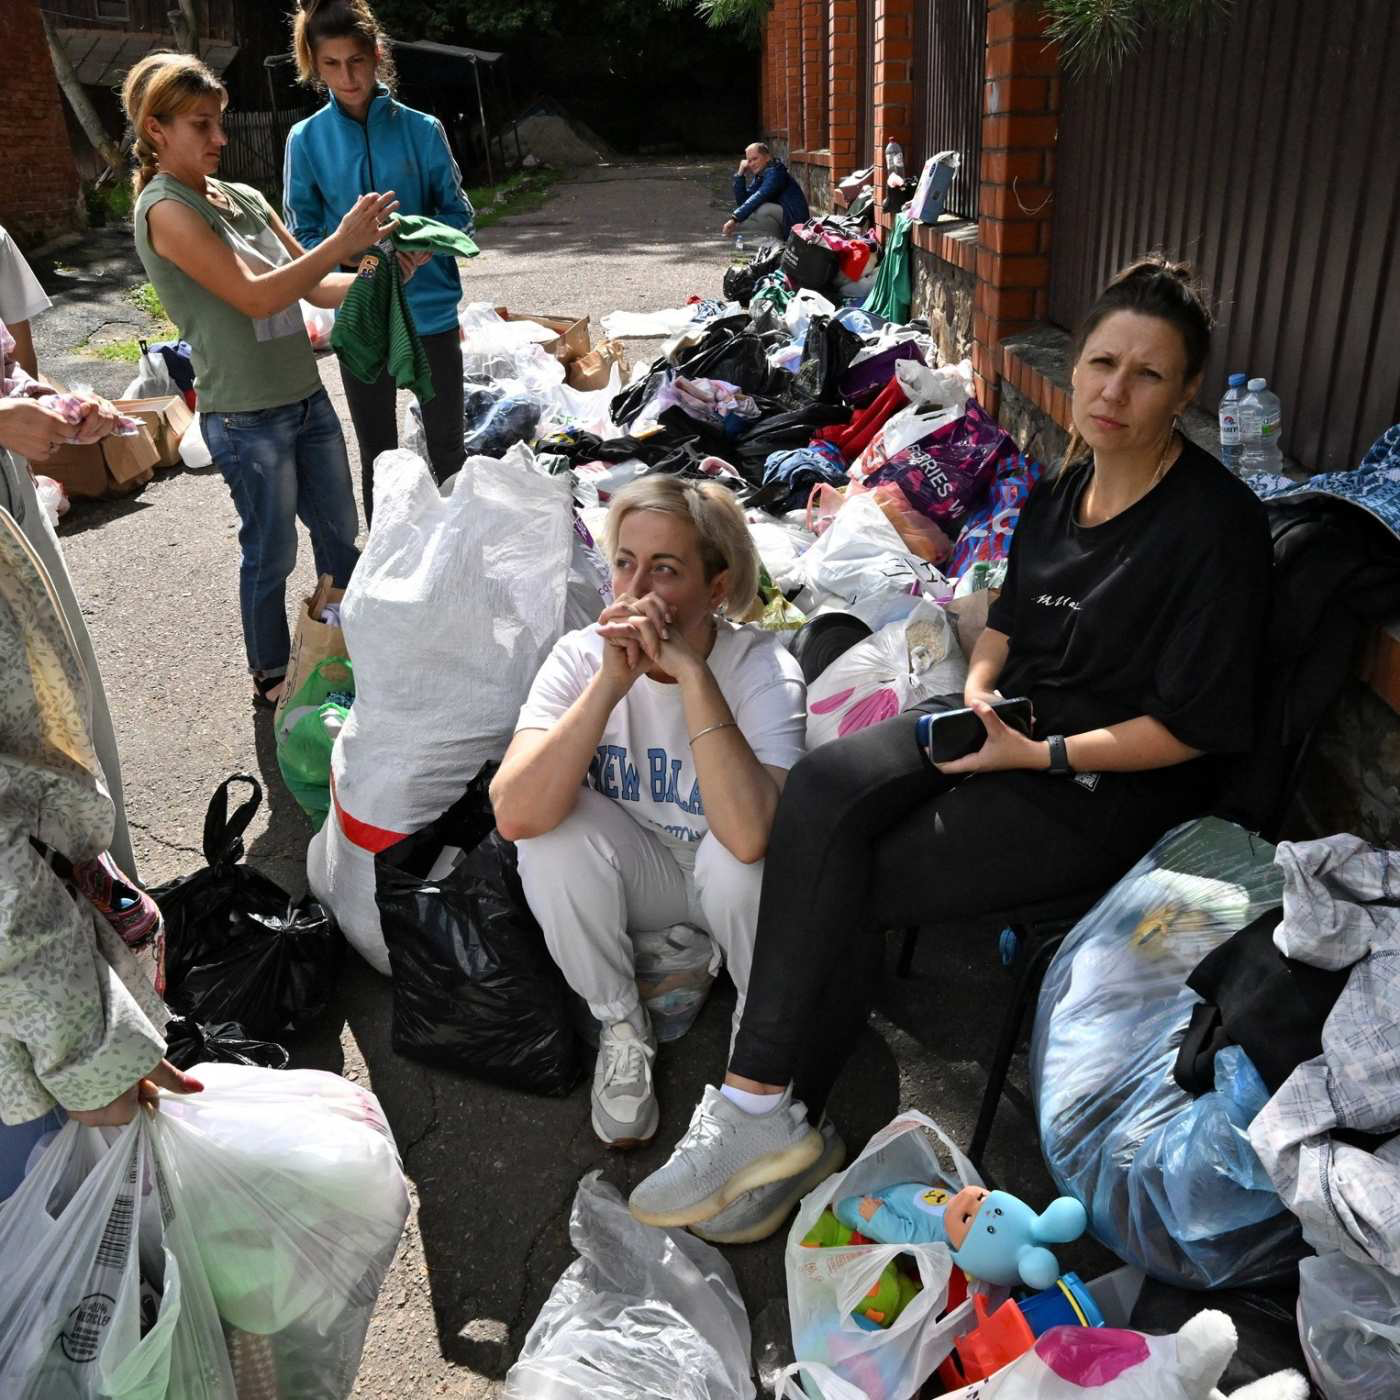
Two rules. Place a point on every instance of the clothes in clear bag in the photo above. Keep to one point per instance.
(1170, 1182)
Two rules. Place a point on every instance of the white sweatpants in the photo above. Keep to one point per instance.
(600, 876)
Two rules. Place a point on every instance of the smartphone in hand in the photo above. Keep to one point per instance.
(956, 733)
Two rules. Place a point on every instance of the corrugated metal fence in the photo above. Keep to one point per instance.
(950, 41)
(256, 141)
(1266, 151)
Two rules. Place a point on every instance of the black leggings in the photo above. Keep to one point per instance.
(870, 836)
(373, 411)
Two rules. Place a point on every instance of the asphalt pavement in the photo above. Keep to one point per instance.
(492, 1172)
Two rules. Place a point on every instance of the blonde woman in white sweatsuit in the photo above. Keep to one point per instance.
(646, 767)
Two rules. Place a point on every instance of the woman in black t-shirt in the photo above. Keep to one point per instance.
(1133, 609)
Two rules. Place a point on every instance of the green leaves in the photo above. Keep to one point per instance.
(1101, 34)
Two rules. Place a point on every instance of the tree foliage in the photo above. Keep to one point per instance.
(1101, 34)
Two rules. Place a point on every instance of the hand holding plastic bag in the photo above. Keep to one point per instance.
(643, 1314)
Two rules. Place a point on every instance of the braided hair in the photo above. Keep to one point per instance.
(162, 85)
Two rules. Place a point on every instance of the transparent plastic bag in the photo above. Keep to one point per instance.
(194, 451)
(153, 378)
(319, 322)
(98, 1249)
(53, 499)
(902, 664)
(1349, 1323)
(299, 1198)
(824, 1285)
(675, 970)
(1170, 1182)
(642, 1314)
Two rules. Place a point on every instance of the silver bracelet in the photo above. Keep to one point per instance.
(710, 729)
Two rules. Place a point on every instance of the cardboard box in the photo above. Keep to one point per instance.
(114, 466)
(571, 340)
(167, 417)
(591, 371)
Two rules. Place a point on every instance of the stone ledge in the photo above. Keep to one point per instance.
(822, 158)
(951, 238)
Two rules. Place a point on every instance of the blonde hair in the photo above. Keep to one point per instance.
(720, 528)
(319, 20)
(163, 85)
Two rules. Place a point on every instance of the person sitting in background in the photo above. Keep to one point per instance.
(646, 767)
(768, 200)
(21, 298)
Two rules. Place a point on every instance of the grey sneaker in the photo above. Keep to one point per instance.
(624, 1103)
(726, 1152)
(757, 1214)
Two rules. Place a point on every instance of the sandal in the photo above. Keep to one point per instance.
(267, 691)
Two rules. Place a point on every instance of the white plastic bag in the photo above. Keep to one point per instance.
(643, 1314)
(948, 387)
(456, 600)
(53, 499)
(152, 380)
(194, 451)
(76, 1238)
(1349, 1323)
(806, 1380)
(590, 583)
(884, 675)
(825, 1285)
(860, 556)
(319, 322)
(800, 310)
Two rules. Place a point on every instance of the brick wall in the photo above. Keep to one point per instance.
(39, 195)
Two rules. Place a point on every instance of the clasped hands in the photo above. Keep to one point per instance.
(641, 633)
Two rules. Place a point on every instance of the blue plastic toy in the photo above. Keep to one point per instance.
(993, 1236)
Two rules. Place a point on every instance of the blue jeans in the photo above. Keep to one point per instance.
(281, 463)
(16, 1144)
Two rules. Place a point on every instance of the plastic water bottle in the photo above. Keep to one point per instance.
(1260, 417)
(1231, 439)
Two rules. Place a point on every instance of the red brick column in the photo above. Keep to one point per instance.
(796, 126)
(843, 121)
(814, 75)
(1020, 122)
(894, 88)
(38, 176)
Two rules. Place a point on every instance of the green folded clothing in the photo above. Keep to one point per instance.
(416, 233)
(374, 328)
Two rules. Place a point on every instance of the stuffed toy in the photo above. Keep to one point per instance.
(994, 1237)
(1104, 1363)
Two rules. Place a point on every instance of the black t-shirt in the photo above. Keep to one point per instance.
(1160, 611)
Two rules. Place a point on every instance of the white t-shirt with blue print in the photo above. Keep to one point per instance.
(643, 759)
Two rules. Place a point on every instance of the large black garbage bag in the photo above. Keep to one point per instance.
(474, 986)
(739, 282)
(826, 356)
(237, 947)
(740, 359)
(625, 406)
(187, 1043)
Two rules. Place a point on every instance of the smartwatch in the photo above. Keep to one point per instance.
(1059, 756)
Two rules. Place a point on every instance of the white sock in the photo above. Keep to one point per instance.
(757, 1104)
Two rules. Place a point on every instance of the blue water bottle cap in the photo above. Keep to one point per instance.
(1236, 380)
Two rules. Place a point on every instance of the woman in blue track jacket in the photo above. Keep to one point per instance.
(364, 139)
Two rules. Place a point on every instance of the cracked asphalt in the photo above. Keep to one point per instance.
(492, 1172)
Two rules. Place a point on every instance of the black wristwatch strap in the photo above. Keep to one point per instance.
(1059, 756)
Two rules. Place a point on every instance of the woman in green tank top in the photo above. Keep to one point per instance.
(231, 278)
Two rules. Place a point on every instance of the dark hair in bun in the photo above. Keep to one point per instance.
(1155, 286)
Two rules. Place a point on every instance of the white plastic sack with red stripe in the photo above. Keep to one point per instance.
(456, 600)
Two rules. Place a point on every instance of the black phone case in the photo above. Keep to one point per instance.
(957, 733)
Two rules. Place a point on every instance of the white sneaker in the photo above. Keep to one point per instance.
(757, 1214)
(624, 1103)
(725, 1153)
